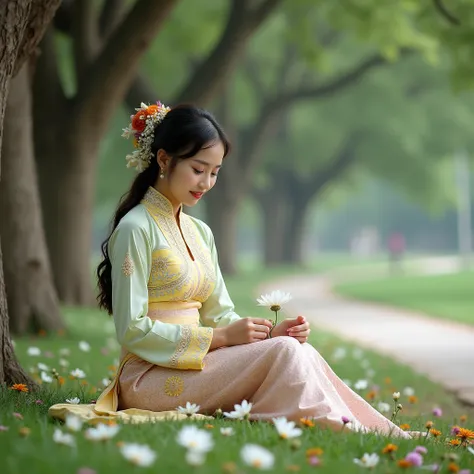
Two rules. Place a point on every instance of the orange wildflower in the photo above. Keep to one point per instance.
(19, 387)
(139, 121)
(465, 434)
(307, 422)
(454, 442)
(435, 432)
(390, 448)
(208, 426)
(24, 431)
(463, 418)
(403, 463)
(42, 333)
(61, 380)
(453, 467)
(413, 399)
(314, 452)
(151, 109)
(371, 395)
(404, 426)
(429, 425)
(388, 380)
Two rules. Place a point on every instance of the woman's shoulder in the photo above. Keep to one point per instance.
(135, 222)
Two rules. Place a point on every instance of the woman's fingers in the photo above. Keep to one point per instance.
(299, 329)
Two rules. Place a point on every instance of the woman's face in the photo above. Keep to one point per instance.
(192, 177)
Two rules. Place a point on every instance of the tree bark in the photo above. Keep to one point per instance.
(32, 300)
(15, 16)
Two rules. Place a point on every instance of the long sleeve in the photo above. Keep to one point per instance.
(218, 310)
(168, 345)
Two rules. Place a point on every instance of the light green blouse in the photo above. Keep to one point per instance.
(167, 289)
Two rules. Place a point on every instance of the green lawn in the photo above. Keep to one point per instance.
(448, 296)
(37, 453)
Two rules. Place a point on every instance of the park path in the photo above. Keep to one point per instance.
(442, 350)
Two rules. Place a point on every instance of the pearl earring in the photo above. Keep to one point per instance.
(162, 175)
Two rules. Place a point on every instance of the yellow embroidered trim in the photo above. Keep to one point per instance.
(174, 386)
(192, 348)
(127, 266)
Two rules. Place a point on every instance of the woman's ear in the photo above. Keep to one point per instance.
(163, 159)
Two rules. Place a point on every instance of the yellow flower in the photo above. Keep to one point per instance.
(314, 452)
(405, 426)
(307, 422)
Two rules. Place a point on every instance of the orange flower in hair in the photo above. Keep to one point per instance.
(139, 121)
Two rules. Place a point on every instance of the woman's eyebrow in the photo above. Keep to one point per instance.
(205, 163)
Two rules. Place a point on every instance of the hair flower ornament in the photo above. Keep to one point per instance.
(141, 129)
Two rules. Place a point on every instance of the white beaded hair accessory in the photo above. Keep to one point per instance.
(141, 129)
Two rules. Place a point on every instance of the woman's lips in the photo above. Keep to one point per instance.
(197, 195)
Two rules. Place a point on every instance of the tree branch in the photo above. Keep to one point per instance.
(209, 78)
(444, 12)
(85, 35)
(111, 15)
(111, 73)
(41, 13)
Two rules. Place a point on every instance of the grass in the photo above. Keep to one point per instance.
(37, 453)
(445, 296)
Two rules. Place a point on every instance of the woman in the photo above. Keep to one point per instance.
(181, 339)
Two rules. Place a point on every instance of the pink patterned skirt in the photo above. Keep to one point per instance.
(280, 376)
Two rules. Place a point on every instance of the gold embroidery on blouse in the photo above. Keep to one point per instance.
(192, 348)
(175, 276)
(127, 266)
(174, 386)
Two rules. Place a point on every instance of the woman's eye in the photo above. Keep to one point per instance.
(214, 174)
(198, 171)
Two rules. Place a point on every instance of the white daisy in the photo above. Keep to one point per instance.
(240, 411)
(78, 374)
(64, 352)
(227, 431)
(46, 378)
(84, 346)
(274, 300)
(195, 439)
(73, 423)
(42, 366)
(138, 454)
(189, 409)
(396, 395)
(195, 458)
(408, 391)
(286, 429)
(63, 438)
(368, 460)
(33, 351)
(383, 407)
(73, 401)
(102, 432)
(361, 384)
(257, 457)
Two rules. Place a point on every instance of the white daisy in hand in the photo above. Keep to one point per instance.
(195, 439)
(63, 438)
(189, 409)
(138, 454)
(368, 460)
(257, 457)
(102, 432)
(274, 300)
(286, 429)
(240, 412)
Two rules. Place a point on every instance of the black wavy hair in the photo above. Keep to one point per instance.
(184, 131)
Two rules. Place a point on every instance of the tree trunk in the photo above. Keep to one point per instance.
(222, 218)
(294, 232)
(32, 300)
(275, 216)
(67, 179)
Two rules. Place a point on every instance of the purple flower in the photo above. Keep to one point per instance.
(454, 430)
(345, 420)
(85, 470)
(416, 459)
(314, 461)
(421, 450)
(3, 428)
(464, 471)
(39, 402)
(437, 412)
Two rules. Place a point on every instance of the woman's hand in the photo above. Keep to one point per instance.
(297, 328)
(243, 331)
